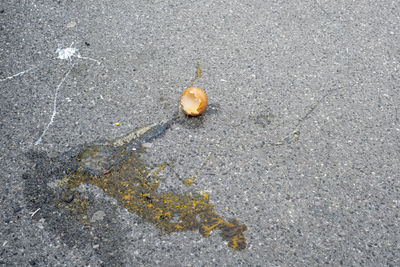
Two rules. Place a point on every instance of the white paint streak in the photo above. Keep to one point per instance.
(15, 75)
(63, 54)
(70, 52)
(54, 106)
(33, 213)
(88, 58)
(67, 53)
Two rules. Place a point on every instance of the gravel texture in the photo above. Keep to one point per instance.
(302, 130)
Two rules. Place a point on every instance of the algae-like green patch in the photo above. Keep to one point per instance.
(116, 168)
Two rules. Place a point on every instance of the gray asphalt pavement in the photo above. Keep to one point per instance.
(296, 161)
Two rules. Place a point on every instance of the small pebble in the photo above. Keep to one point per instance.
(17, 209)
(71, 24)
(69, 198)
(147, 145)
(98, 216)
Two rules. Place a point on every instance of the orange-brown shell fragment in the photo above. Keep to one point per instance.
(193, 101)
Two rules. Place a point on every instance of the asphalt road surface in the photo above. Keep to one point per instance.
(296, 161)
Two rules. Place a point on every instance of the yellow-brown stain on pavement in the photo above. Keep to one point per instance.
(135, 186)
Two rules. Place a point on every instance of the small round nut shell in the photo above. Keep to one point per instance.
(193, 101)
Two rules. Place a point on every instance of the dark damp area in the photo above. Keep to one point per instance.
(118, 170)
